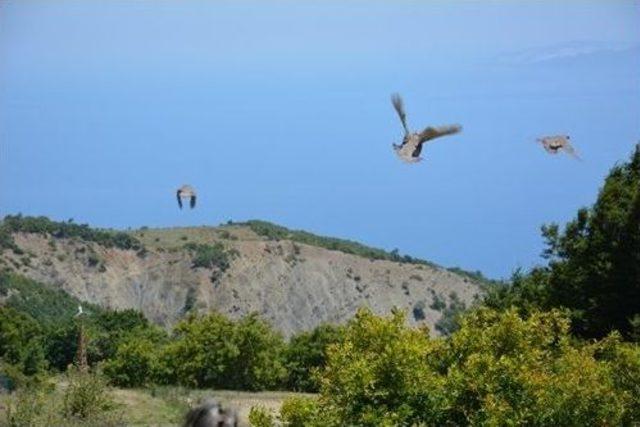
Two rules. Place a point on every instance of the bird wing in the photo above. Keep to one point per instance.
(396, 100)
(568, 148)
(192, 201)
(431, 132)
(416, 152)
(178, 195)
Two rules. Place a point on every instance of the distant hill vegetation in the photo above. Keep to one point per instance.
(277, 232)
(295, 279)
(43, 225)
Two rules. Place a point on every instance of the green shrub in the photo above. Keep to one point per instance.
(213, 351)
(261, 417)
(21, 342)
(259, 364)
(6, 239)
(134, 364)
(208, 256)
(306, 353)
(418, 311)
(297, 411)
(86, 396)
(438, 303)
(93, 259)
(623, 361)
(448, 323)
(499, 368)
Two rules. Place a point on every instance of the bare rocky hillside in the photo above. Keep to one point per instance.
(293, 285)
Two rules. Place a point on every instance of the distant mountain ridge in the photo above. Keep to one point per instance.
(294, 279)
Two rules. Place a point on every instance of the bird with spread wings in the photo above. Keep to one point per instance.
(186, 192)
(411, 147)
(556, 143)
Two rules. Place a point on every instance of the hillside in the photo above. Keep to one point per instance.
(293, 279)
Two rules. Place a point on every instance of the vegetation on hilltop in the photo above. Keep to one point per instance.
(206, 254)
(43, 225)
(277, 232)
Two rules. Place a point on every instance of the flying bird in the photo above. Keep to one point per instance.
(556, 143)
(186, 192)
(411, 147)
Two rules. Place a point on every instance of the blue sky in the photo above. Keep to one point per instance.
(279, 110)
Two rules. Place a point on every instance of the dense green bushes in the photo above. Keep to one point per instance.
(205, 351)
(43, 225)
(38, 329)
(135, 362)
(499, 368)
(21, 342)
(38, 332)
(306, 353)
(214, 351)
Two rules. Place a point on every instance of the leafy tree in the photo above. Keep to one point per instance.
(377, 374)
(201, 352)
(594, 262)
(259, 364)
(297, 411)
(21, 341)
(499, 368)
(306, 353)
(259, 416)
(213, 351)
(112, 327)
(135, 362)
